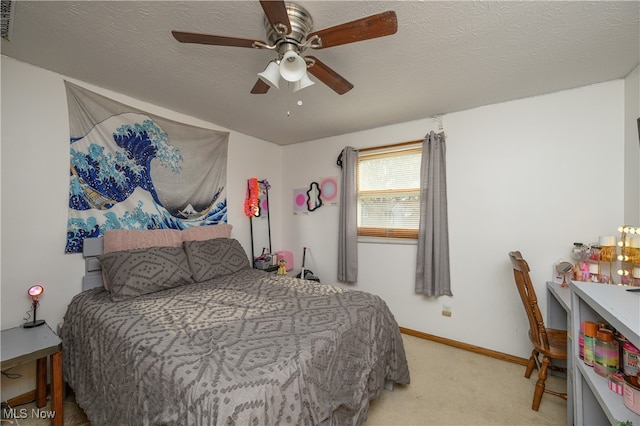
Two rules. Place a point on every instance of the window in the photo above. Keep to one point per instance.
(389, 191)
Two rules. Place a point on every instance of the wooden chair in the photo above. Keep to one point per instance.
(547, 342)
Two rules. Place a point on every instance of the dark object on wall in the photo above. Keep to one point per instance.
(313, 197)
(638, 129)
(307, 274)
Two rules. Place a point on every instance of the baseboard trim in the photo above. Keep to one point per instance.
(30, 396)
(465, 346)
(25, 398)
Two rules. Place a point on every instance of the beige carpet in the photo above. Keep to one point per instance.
(452, 386)
(449, 386)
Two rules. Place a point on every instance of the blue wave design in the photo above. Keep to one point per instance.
(115, 175)
(100, 179)
(78, 229)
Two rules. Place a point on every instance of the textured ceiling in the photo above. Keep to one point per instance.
(447, 56)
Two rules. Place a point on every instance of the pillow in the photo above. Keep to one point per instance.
(215, 258)
(129, 239)
(136, 272)
(209, 232)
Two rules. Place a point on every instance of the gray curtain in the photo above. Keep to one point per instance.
(348, 226)
(432, 268)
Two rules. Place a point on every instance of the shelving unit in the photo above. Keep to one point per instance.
(559, 317)
(595, 403)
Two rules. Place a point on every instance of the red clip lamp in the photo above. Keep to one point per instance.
(34, 292)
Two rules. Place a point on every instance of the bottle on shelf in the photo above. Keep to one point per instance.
(606, 353)
(594, 272)
(630, 359)
(590, 331)
(631, 250)
(581, 341)
(636, 275)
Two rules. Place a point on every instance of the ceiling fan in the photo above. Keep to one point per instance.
(289, 29)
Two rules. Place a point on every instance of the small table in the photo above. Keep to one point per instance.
(21, 345)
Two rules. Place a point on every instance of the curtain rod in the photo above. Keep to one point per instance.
(436, 118)
(374, 148)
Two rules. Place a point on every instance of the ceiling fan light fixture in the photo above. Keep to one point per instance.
(271, 75)
(290, 32)
(292, 66)
(305, 81)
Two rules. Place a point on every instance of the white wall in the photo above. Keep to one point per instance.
(35, 188)
(632, 149)
(533, 175)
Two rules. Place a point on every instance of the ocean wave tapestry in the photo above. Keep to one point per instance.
(133, 170)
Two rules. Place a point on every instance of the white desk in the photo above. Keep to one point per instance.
(21, 345)
(589, 401)
(559, 317)
(595, 403)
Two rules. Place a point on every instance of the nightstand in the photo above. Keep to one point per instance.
(21, 345)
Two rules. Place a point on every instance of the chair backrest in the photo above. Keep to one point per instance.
(537, 330)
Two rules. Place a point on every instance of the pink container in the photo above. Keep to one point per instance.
(287, 256)
(616, 383)
(631, 395)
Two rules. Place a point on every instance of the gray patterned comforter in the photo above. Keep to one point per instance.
(249, 348)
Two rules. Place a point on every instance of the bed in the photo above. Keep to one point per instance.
(236, 346)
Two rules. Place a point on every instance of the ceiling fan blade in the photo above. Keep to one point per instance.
(183, 37)
(374, 26)
(260, 87)
(276, 13)
(329, 77)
